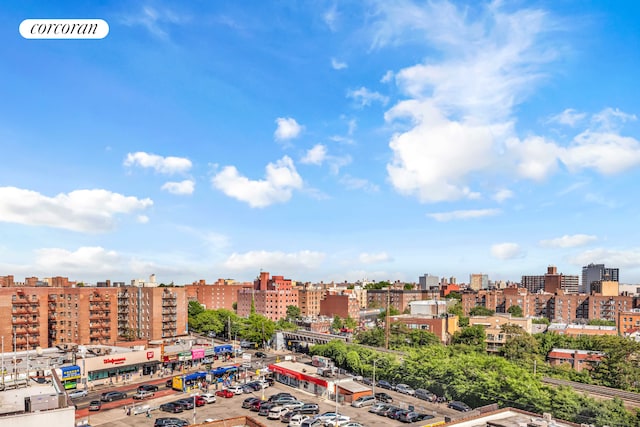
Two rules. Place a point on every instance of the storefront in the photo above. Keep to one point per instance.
(70, 376)
(120, 367)
(299, 375)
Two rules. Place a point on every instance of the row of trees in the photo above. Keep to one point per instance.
(477, 379)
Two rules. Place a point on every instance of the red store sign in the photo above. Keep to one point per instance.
(114, 360)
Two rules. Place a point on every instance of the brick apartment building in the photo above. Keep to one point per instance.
(309, 298)
(46, 316)
(628, 320)
(270, 297)
(551, 282)
(342, 305)
(221, 294)
(398, 298)
(151, 313)
(559, 306)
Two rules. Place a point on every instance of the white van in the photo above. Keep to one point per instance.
(276, 412)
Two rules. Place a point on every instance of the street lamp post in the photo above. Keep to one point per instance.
(373, 380)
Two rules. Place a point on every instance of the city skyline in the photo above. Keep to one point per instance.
(323, 142)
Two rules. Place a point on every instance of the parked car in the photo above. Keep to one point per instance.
(254, 385)
(293, 405)
(405, 389)
(377, 407)
(385, 412)
(225, 393)
(363, 401)
(199, 401)
(169, 383)
(170, 421)
(276, 412)
(265, 408)
(142, 394)
(423, 394)
(284, 399)
(260, 354)
(187, 403)
(172, 407)
(395, 413)
(295, 420)
(285, 418)
(95, 405)
(208, 397)
(236, 389)
(330, 416)
(248, 344)
(312, 422)
(246, 389)
(249, 401)
(412, 417)
(385, 384)
(281, 394)
(367, 381)
(459, 406)
(384, 397)
(110, 396)
(352, 424)
(77, 394)
(309, 408)
(148, 387)
(338, 420)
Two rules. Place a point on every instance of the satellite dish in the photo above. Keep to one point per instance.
(39, 351)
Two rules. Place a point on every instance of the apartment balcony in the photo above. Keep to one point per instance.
(169, 311)
(20, 310)
(169, 318)
(21, 301)
(52, 306)
(123, 310)
(20, 321)
(33, 329)
(21, 331)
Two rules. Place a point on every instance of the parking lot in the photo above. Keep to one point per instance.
(227, 408)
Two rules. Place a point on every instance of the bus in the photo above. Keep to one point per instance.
(188, 382)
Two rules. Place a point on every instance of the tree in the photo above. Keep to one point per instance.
(515, 311)
(337, 324)
(480, 310)
(285, 325)
(408, 286)
(392, 312)
(235, 306)
(293, 312)
(473, 336)
(377, 285)
(350, 323)
(258, 329)
(194, 308)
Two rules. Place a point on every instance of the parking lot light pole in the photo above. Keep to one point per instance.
(373, 381)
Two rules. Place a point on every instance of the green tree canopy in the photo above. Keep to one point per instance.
(293, 312)
(480, 310)
(515, 311)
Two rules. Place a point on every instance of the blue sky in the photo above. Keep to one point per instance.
(321, 140)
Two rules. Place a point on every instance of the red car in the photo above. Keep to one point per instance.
(225, 393)
(199, 401)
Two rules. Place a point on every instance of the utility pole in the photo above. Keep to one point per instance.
(229, 322)
(387, 320)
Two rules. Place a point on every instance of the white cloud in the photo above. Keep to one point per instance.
(287, 129)
(375, 258)
(330, 18)
(629, 258)
(353, 183)
(155, 20)
(365, 97)
(341, 139)
(281, 179)
(568, 117)
(432, 160)
(165, 165)
(180, 188)
(609, 119)
(606, 152)
(535, 157)
(275, 261)
(142, 219)
(315, 155)
(337, 65)
(338, 162)
(388, 76)
(79, 210)
(84, 259)
(505, 251)
(464, 214)
(568, 241)
(502, 195)
(353, 125)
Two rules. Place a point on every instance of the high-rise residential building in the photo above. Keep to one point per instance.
(309, 298)
(551, 282)
(478, 281)
(428, 281)
(151, 313)
(270, 297)
(596, 272)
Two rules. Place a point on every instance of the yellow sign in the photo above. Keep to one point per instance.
(257, 371)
